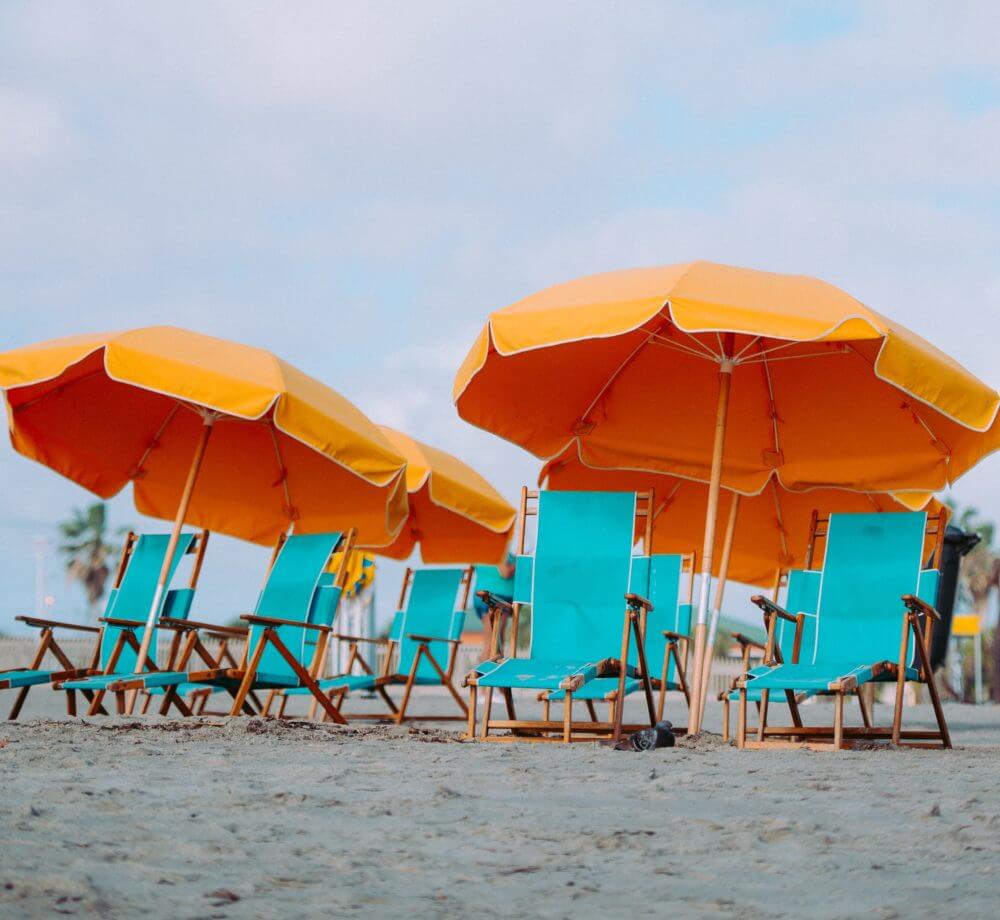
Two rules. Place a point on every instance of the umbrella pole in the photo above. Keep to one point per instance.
(720, 590)
(711, 516)
(175, 535)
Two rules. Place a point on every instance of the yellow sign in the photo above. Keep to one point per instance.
(965, 624)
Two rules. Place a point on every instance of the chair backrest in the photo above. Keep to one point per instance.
(299, 588)
(580, 574)
(871, 561)
(659, 579)
(433, 608)
(133, 597)
(802, 596)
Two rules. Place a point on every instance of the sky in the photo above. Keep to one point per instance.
(355, 186)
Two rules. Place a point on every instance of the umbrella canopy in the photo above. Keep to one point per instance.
(730, 376)
(455, 514)
(130, 407)
(772, 528)
(824, 390)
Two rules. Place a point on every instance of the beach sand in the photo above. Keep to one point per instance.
(218, 817)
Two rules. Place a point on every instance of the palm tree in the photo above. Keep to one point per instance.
(87, 550)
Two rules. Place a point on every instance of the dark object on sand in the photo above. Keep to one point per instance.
(957, 543)
(647, 739)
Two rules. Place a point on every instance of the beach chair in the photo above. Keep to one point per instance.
(802, 597)
(873, 624)
(583, 615)
(665, 629)
(289, 630)
(123, 624)
(420, 650)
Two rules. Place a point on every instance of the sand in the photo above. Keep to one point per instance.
(249, 818)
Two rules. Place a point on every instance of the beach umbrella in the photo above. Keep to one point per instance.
(765, 535)
(455, 514)
(731, 376)
(219, 435)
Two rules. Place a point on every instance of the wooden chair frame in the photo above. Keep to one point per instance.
(127, 634)
(916, 613)
(389, 677)
(567, 730)
(245, 674)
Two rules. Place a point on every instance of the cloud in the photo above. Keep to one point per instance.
(356, 187)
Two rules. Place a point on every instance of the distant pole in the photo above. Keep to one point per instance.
(41, 545)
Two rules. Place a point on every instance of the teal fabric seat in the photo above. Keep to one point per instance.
(871, 562)
(11, 680)
(131, 601)
(298, 589)
(657, 578)
(432, 609)
(575, 584)
(801, 596)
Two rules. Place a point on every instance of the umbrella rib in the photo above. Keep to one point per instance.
(765, 356)
(783, 534)
(774, 409)
(615, 375)
(137, 467)
(283, 472)
(677, 346)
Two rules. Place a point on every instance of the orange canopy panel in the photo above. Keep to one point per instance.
(772, 528)
(626, 367)
(286, 450)
(455, 514)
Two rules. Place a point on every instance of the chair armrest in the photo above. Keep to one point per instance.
(769, 606)
(125, 624)
(432, 639)
(675, 636)
(495, 603)
(56, 624)
(347, 638)
(173, 623)
(638, 601)
(747, 641)
(276, 621)
(921, 608)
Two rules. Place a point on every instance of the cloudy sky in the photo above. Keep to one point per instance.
(356, 186)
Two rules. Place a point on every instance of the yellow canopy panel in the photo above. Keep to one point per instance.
(455, 514)
(286, 450)
(825, 391)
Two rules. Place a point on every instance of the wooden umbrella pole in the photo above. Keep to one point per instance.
(711, 515)
(175, 535)
(720, 591)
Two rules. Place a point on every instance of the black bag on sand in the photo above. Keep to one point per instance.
(658, 736)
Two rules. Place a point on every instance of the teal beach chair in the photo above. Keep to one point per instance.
(420, 650)
(801, 598)
(664, 579)
(126, 609)
(289, 629)
(875, 597)
(583, 614)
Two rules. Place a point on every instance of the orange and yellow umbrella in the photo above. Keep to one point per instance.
(455, 514)
(209, 432)
(731, 376)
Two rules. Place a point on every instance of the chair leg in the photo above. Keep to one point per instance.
(725, 718)
(741, 720)
(120, 702)
(268, 700)
(568, 717)
(508, 698)
(487, 712)
(470, 730)
(546, 706)
(762, 720)
(22, 695)
(591, 711)
(147, 699)
(838, 721)
(70, 703)
(863, 705)
(284, 703)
